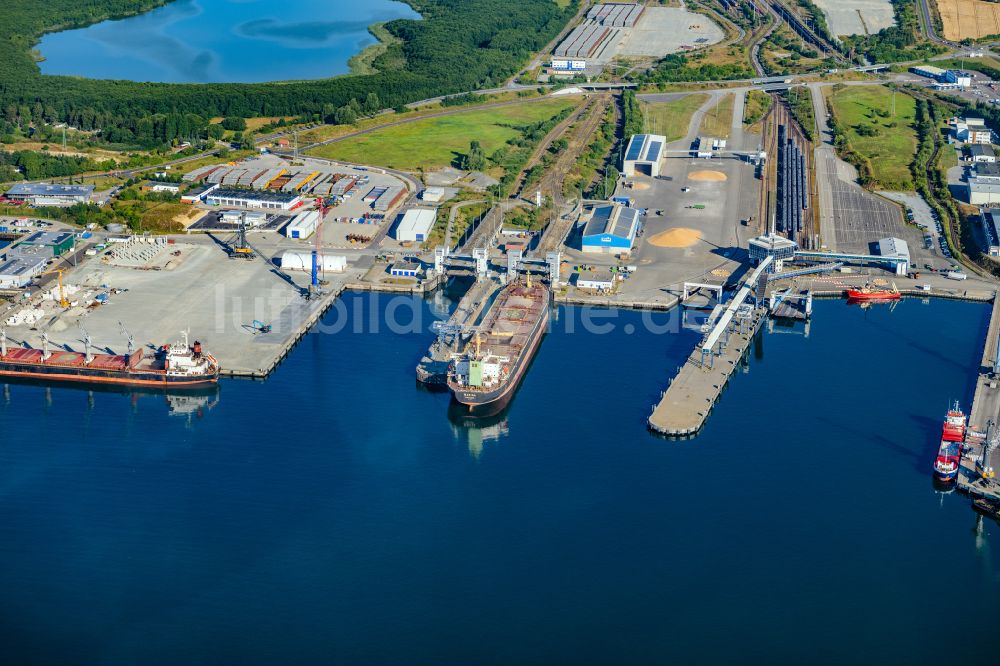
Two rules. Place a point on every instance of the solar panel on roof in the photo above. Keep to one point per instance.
(623, 225)
(653, 153)
(635, 147)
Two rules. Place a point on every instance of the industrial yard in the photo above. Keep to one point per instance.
(630, 31)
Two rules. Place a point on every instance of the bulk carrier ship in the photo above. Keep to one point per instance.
(485, 375)
(175, 366)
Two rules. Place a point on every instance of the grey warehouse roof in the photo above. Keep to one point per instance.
(48, 237)
(602, 223)
(253, 195)
(18, 266)
(49, 189)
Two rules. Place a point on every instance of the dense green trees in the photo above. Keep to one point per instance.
(234, 123)
(35, 164)
(459, 45)
(895, 43)
(475, 159)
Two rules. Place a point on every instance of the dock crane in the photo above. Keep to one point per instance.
(239, 247)
(63, 301)
(317, 256)
(990, 445)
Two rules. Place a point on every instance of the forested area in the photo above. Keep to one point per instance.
(902, 41)
(34, 164)
(458, 45)
(675, 68)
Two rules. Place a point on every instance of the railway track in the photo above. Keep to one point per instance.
(546, 143)
(557, 229)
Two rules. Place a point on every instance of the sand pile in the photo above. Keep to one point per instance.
(679, 237)
(640, 186)
(711, 176)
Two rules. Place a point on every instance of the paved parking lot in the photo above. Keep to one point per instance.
(858, 218)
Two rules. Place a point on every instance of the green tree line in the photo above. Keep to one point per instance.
(458, 45)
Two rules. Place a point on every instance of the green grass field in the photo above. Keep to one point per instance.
(671, 119)
(436, 142)
(718, 120)
(886, 140)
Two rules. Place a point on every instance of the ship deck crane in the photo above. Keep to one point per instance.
(128, 337)
(87, 356)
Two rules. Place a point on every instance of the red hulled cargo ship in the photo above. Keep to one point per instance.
(950, 451)
(172, 366)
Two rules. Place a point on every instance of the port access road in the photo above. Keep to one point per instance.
(985, 408)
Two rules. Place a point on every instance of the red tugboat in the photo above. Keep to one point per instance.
(869, 293)
(950, 452)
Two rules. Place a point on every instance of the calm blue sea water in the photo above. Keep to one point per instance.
(336, 513)
(222, 41)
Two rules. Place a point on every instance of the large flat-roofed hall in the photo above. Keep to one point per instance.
(643, 155)
(48, 194)
(611, 229)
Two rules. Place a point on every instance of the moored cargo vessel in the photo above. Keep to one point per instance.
(486, 374)
(950, 451)
(175, 366)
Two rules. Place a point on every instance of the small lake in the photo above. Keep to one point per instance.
(210, 41)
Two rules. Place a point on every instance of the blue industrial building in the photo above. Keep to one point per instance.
(611, 230)
(405, 268)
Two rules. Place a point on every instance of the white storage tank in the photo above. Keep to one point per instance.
(296, 260)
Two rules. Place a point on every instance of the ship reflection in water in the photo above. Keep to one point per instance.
(478, 430)
(188, 403)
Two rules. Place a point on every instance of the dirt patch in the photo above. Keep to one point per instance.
(679, 237)
(188, 218)
(710, 176)
(971, 19)
(640, 186)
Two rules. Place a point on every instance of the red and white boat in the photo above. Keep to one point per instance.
(869, 293)
(950, 452)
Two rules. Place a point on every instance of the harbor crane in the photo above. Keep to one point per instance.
(63, 301)
(317, 253)
(239, 247)
(989, 446)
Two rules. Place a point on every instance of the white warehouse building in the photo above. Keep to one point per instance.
(295, 260)
(303, 225)
(416, 225)
(643, 155)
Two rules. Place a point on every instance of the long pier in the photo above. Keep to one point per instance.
(985, 408)
(696, 388)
